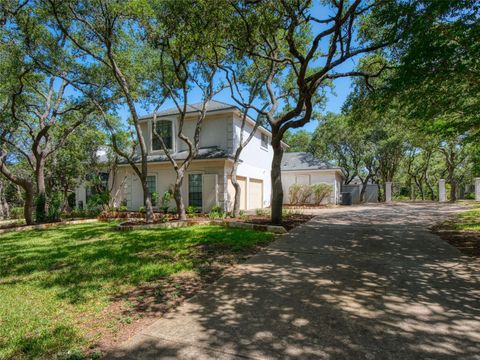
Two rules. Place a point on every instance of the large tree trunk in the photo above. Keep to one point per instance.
(28, 205)
(238, 190)
(2, 210)
(41, 204)
(147, 200)
(453, 191)
(177, 195)
(363, 190)
(276, 178)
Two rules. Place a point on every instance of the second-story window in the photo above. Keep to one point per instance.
(264, 141)
(164, 129)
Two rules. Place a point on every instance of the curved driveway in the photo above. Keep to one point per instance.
(365, 282)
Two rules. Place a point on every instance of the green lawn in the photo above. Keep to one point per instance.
(55, 283)
(468, 221)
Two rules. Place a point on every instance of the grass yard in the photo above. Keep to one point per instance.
(468, 221)
(463, 231)
(63, 289)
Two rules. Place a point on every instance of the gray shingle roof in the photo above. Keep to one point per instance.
(212, 152)
(212, 105)
(305, 161)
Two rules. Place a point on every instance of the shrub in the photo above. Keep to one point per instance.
(217, 213)
(142, 209)
(40, 203)
(191, 210)
(123, 208)
(167, 196)
(98, 200)
(286, 213)
(294, 193)
(16, 213)
(306, 193)
(320, 191)
(154, 197)
(54, 207)
(242, 215)
(261, 212)
(77, 213)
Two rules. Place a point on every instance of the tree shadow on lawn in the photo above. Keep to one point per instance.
(83, 260)
(361, 292)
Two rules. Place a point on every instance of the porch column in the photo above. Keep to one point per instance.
(477, 189)
(388, 191)
(442, 195)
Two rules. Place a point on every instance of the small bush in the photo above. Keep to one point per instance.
(320, 192)
(217, 213)
(54, 207)
(294, 193)
(242, 215)
(166, 198)
(123, 208)
(301, 194)
(40, 204)
(306, 193)
(154, 196)
(16, 213)
(261, 212)
(191, 210)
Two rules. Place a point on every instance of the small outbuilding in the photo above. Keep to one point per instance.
(305, 169)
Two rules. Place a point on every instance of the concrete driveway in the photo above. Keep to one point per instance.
(354, 283)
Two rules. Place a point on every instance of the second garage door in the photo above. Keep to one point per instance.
(255, 194)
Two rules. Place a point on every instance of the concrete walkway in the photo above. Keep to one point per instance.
(354, 283)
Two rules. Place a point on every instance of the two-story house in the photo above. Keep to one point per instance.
(207, 181)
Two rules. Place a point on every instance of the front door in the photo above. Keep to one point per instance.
(195, 190)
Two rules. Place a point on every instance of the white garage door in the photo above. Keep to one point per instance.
(255, 194)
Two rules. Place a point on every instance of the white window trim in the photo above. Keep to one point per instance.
(156, 185)
(174, 141)
(188, 187)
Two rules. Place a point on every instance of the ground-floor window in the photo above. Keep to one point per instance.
(195, 190)
(152, 187)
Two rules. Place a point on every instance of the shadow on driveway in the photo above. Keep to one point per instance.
(372, 283)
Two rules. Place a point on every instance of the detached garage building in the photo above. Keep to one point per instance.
(304, 168)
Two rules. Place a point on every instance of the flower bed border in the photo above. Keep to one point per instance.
(178, 224)
(46, 225)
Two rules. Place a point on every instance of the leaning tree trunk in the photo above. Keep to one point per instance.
(363, 190)
(177, 195)
(276, 178)
(238, 190)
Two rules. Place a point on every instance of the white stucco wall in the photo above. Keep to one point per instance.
(213, 133)
(128, 186)
(255, 159)
(313, 177)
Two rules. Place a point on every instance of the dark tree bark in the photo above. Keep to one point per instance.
(276, 179)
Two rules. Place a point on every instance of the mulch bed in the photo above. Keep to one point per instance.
(468, 242)
(289, 222)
